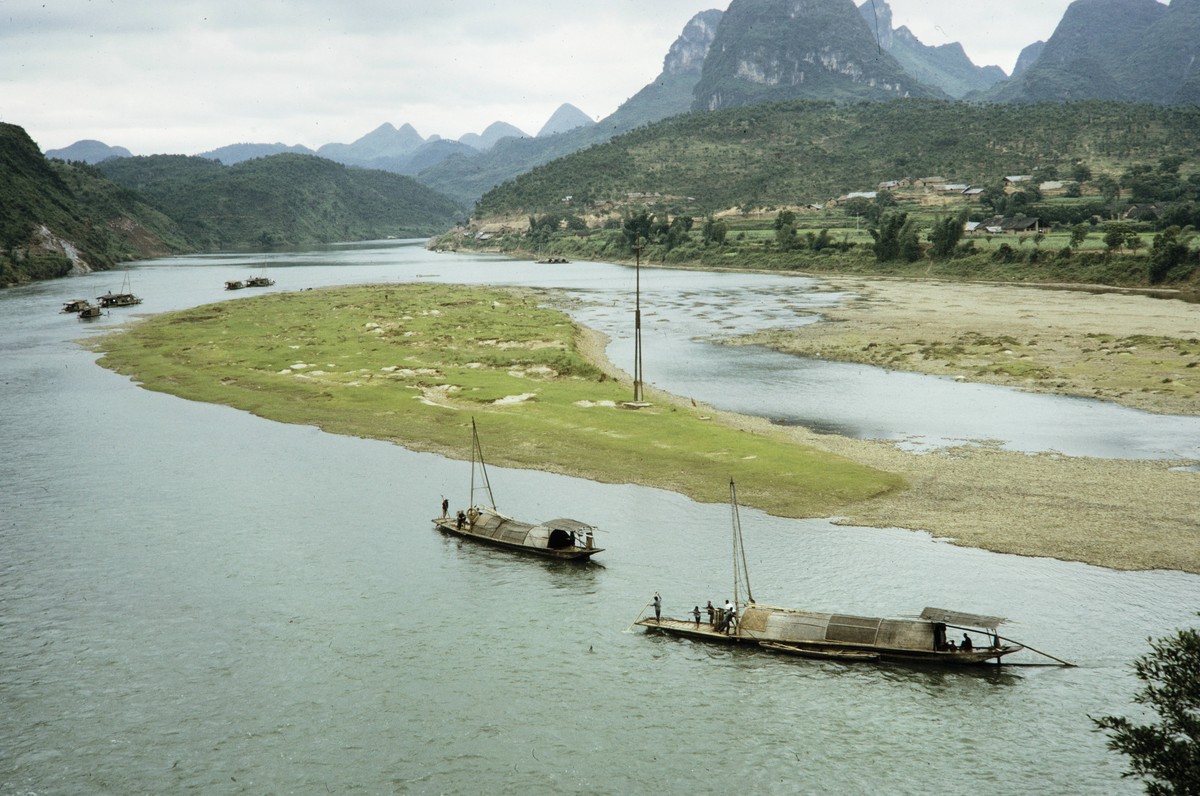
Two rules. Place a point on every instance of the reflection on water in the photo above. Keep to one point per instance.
(199, 599)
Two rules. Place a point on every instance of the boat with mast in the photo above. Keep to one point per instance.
(562, 538)
(123, 299)
(815, 634)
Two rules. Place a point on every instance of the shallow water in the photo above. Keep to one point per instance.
(193, 599)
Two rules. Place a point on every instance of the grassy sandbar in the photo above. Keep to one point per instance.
(413, 364)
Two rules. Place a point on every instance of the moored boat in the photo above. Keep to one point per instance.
(90, 311)
(845, 637)
(562, 538)
(259, 281)
(76, 305)
(122, 299)
(234, 284)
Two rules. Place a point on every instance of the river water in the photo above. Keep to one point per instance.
(193, 599)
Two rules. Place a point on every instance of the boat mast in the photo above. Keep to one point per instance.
(477, 453)
(637, 323)
(741, 573)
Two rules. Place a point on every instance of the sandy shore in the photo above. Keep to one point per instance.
(1137, 350)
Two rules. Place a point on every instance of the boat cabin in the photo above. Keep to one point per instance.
(118, 300)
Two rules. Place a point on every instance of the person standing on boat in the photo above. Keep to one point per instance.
(657, 606)
(730, 616)
(696, 613)
(445, 507)
(712, 613)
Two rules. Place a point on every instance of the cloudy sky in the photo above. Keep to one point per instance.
(187, 76)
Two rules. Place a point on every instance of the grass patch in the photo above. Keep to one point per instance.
(413, 363)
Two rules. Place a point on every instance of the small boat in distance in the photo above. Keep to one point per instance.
(76, 305)
(122, 299)
(89, 312)
(831, 636)
(234, 284)
(563, 538)
(259, 281)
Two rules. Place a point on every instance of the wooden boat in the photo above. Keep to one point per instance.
(844, 637)
(89, 312)
(259, 281)
(76, 305)
(560, 538)
(122, 299)
(234, 284)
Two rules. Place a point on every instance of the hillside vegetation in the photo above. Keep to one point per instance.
(284, 199)
(797, 153)
(57, 217)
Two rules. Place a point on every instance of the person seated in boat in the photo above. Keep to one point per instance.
(460, 520)
(966, 645)
(950, 646)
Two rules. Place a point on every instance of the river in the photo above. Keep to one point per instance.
(195, 599)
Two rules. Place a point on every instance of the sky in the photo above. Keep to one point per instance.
(188, 76)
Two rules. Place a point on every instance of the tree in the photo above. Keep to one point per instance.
(1081, 172)
(1109, 188)
(1166, 753)
(1118, 235)
(897, 237)
(946, 234)
(1171, 248)
(1079, 234)
(714, 231)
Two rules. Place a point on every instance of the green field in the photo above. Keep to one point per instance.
(414, 363)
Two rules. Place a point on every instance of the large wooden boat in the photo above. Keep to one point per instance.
(560, 538)
(89, 312)
(259, 281)
(815, 634)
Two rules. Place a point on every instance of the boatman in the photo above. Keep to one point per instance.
(696, 613)
(657, 606)
(730, 616)
(445, 507)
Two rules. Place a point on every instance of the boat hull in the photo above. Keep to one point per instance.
(829, 650)
(448, 525)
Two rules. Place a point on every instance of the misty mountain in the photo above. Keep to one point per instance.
(384, 142)
(777, 50)
(1028, 57)
(492, 135)
(88, 151)
(946, 67)
(236, 153)
(670, 94)
(1128, 50)
(566, 118)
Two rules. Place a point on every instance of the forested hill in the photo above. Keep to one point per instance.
(284, 199)
(791, 153)
(58, 217)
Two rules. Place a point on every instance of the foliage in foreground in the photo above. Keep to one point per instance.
(1164, 753)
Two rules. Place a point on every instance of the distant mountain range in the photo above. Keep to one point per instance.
(761, 51)
(88, 151)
